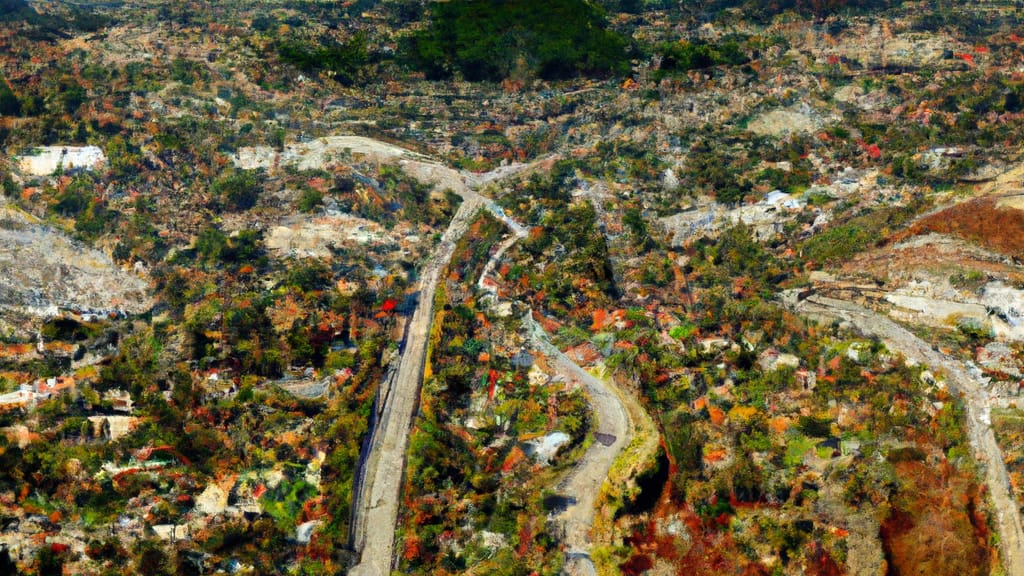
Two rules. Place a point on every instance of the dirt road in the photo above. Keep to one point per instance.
(583, 485)
(976, 400)
(615, 429)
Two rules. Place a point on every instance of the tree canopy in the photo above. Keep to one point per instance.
(496, 39)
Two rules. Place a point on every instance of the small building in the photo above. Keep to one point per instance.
(24, 397)
(771, 359)
(53, 386)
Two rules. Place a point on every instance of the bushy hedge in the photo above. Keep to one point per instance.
(679, 57)
(762, 10)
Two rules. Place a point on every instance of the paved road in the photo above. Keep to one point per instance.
(376, 508)
(976, 400)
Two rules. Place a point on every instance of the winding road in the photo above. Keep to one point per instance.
(582, 486)
(614, 431)
(976, 401)
(376, 501)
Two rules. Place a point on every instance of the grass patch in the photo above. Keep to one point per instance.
(796, 449)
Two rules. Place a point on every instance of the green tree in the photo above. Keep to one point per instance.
(237, 191)
(210, 243)
(493, 39)
(345, 62)
(72, 96)
(9, 103)
(309, 200)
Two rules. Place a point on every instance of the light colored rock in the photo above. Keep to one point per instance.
(171, 532)
(117, 426)
(859, 351)
(314, 237)
(46, 160)
(670, 181)
(317, 154)
(273, 478)
(848, 94)
(714, 344)
(799, 119)
(1008, 305)
(693, 224)
(212, 501)
(313, 469)
(492, 540)
(304, 531)
(63, 273)
(537, 377)
(502, 309)
(821, 276)
(787, 361)
(941, 313)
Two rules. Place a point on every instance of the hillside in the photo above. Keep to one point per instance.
(509, 287)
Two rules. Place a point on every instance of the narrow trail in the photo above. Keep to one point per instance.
(976, 400)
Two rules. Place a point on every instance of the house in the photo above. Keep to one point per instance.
(779, 198)
(172, 532)
(806, 379)
(771, 359)
(53, 386)
(709, 345)
(19, 435)
(23, 397)
(112, 427)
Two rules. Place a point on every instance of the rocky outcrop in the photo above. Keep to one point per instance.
(46, 160)
(42, 271)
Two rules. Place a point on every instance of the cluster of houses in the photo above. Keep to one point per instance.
(29, 394)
